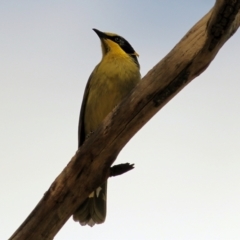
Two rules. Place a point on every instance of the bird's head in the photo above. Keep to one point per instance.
(112, 42)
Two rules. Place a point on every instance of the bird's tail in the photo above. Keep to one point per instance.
(93, 209)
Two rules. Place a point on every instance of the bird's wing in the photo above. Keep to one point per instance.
(81, 130)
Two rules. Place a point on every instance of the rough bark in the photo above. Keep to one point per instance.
(91, 164)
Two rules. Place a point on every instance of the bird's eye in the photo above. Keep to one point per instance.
(117, 39)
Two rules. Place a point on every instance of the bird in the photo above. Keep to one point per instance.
(110, 82)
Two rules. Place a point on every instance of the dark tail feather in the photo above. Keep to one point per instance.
(93, 210)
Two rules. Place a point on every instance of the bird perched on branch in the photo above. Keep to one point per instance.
(110, 82)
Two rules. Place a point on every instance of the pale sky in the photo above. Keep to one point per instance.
(186, 181)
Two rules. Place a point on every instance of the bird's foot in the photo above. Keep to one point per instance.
(120, 169)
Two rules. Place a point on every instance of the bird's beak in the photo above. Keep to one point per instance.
(100, 34)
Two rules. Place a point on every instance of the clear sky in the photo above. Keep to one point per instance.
(186, 184)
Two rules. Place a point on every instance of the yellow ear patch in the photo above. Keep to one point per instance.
(135, 53)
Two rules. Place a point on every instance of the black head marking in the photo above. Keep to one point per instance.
(126, 46)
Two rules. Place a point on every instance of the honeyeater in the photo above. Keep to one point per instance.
(112, 79)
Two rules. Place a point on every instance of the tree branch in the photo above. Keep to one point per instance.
(91, 164)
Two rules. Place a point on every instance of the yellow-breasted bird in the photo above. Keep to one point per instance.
(111, 81)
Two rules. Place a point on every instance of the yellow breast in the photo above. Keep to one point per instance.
(112, 79)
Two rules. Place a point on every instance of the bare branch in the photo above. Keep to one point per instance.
(91, 164)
